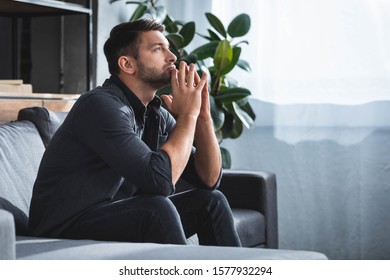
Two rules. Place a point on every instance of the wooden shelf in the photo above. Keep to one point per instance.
(32, 96)
(17, 14)
(11, 103)
(40, 7)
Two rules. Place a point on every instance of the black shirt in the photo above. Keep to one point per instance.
(109, 141)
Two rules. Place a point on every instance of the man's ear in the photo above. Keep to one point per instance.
(127, 64)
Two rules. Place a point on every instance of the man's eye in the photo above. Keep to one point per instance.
(158, 49)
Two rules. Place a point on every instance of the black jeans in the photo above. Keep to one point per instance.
(159, 219)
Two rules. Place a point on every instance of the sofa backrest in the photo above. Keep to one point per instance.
(22, 144)
(21, 150)
(47, 122)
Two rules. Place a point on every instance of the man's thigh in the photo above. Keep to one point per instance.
(143, 218)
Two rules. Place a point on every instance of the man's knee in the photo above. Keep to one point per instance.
(213, 194)
(217, 195)
(163, 206)
(212, 197)
(219, 198)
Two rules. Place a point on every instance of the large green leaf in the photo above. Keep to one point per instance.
(188, 33)
(213, 36)
(232, 94)
(217, 24)
(235, 128)
(217, 114)
(235, 131)
(223, 56)
(228, 124)
(239, 26)
(243, 116)
(236, 56)
(170, 25)
(139, 12)
(226, 158)
(243, 64)
(246, 106)
(176, 39)
(206, 50)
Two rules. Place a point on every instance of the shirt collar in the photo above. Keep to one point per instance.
(134, 101)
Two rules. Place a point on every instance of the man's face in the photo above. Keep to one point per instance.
(155, 61)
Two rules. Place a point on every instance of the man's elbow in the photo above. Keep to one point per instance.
(211, 180)
(159, 177)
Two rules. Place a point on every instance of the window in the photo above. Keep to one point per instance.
(324, 51)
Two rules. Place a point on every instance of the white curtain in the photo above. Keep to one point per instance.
(321, 81)
(315, 51)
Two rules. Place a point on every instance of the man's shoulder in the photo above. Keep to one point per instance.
(103, 92)
(102, 101)
(102, 95)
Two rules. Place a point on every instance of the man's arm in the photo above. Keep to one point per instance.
(185, 103)
(208, 162)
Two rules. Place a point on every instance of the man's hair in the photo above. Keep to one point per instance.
(125, 40)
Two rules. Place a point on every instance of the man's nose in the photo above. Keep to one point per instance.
(171, 56)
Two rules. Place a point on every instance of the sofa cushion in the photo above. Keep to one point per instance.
(21, 150)
(61, 249)
(250, 226)
(7, 236)
(46, 121)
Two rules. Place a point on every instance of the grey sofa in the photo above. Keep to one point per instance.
(252, 196)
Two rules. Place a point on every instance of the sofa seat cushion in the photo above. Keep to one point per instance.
(250, 225)
(61, 249)
(21, 150)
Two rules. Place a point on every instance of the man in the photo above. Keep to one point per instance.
(109, 172)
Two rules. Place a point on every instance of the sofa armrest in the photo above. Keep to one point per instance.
(254, 190)
(7, 236)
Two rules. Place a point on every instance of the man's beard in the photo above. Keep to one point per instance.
(153, 77)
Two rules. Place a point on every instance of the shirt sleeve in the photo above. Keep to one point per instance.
(108, 128)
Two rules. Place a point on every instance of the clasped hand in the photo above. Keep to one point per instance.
(189, 92)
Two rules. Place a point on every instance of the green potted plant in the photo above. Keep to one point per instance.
(219, 55)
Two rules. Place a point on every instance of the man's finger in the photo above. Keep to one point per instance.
(202, 81)
(167, 100)
(197, 78)
(183, 69)
(191, 74)
(174, 80)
